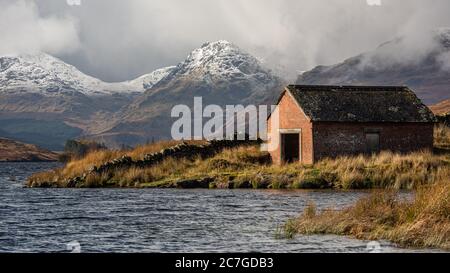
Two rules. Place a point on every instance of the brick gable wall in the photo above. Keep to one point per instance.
(291, 117)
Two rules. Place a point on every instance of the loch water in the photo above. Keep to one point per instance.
(159, 220)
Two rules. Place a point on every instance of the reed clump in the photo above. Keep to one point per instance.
(423, 222)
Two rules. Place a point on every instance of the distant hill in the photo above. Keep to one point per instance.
(11, 150)
(441, 108)
(388, 64)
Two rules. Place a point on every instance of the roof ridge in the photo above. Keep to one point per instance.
(398, 88)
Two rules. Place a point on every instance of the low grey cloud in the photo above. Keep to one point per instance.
(405, 50)
(120, 40)
(444, 59)
(24, 30)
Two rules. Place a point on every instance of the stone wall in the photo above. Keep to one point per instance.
(182, 150)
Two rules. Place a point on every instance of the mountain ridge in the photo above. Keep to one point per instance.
(220, 72)
(45, 90)
(43, 73)
(388, 65)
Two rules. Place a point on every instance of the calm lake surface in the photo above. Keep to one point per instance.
(158, 220)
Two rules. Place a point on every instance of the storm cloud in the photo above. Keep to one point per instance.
(117, 40)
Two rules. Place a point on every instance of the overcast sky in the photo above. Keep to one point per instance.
(117, 40)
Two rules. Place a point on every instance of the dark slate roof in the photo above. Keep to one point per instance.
(360, 103)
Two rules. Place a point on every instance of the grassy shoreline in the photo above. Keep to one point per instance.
(420, 223)
(423, 222)
(246, 167)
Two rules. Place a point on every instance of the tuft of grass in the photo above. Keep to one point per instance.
(422, 222)
(442, 137)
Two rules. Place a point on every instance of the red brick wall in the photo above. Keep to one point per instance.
(332, 139)
(291, 117)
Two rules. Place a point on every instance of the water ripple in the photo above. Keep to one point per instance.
(157, 220)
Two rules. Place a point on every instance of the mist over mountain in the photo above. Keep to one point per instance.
(424, 67)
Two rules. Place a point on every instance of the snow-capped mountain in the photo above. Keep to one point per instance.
(147, 81)
(426, 70)
(45, 101)
(50, 76)
(220, 72)
(221, 60)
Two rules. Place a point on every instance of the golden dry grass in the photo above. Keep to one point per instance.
(422, 222)
(385, 170)
(442, 137)
(96, 158)
(247, 166)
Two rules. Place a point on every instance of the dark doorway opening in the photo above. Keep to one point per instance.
(290, 144)
(372, 143)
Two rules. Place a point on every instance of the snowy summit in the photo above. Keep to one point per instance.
(45, 74)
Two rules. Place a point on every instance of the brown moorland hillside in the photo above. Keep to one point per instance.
(11, 150)
(441, 108)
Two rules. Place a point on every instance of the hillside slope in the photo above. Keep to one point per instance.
(441, 108)
(11, 150)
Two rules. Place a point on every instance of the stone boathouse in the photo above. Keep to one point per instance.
(329, 121)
